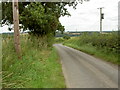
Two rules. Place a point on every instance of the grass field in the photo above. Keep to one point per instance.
(101, 46)
(38, 68)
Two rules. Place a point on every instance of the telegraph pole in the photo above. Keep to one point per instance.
(101, 17)
(16, 27)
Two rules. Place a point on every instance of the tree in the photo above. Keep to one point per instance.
(61, 28)
(40, 18)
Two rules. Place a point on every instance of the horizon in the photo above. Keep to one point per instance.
(65, 31)
(86, 17)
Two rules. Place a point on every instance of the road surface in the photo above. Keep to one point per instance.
(85, 71)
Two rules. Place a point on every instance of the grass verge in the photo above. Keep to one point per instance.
(38, 68)
(92, 50)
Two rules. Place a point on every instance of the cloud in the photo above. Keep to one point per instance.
(87, 16)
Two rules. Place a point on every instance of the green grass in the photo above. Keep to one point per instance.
(38, 68)
(59, 40)
(95, 51)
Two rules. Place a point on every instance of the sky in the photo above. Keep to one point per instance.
(87, 17)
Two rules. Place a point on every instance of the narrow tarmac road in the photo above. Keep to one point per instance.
(85, 71)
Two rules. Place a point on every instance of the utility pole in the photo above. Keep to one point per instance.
(16, 28)
(101, 17)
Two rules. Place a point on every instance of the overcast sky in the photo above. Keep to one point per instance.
(87, 17)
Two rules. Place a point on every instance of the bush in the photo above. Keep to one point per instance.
(66, 37)
(107, 41)
(59, 40)
(105, 46)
